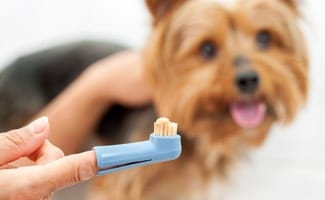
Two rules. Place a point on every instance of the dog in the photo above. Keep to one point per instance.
(225, 71)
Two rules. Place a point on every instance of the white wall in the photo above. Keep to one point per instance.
(33, 24)
(292, 163)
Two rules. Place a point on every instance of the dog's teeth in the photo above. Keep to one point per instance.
(163, 127)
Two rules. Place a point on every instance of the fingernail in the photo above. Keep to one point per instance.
(38, 125)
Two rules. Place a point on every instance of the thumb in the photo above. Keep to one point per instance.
(24, 141)
(67, 171)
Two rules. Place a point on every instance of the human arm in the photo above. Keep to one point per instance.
(75, 112)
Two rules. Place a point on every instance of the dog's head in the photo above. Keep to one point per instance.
(227, 71)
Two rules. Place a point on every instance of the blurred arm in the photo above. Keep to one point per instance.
(74, 114)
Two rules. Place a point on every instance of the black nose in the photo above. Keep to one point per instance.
(247, 81)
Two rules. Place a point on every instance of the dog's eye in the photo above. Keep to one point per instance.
(208, 50)
(263, 39)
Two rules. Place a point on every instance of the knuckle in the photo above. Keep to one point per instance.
(15, 138)
(83, 169)
(77, 175)
(73, 170)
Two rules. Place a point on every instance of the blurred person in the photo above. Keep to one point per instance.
(98, 80)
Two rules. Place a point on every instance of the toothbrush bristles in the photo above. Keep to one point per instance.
(163, 127)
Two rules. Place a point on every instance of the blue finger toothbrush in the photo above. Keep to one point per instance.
(163, 145)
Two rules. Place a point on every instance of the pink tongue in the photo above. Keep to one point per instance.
(248, 114)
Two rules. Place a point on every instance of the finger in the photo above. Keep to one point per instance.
(46, 153)
(68, 171)
(22, 142)
(15, 184)
(37, 182)
(23, 161)
(8, 166)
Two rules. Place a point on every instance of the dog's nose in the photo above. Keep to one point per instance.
(247, 81)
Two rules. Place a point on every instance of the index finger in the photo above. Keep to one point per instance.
(41, 180)
(67, 171)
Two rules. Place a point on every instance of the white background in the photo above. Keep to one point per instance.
(291, 165)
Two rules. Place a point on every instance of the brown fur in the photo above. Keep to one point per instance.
(196, 92)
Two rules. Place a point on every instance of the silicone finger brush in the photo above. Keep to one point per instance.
(164, 144)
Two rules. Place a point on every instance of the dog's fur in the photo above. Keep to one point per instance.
(196, 52)
(197, 89)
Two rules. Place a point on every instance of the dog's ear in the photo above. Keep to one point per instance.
(159, 8)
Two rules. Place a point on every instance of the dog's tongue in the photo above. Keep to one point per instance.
(248, 114)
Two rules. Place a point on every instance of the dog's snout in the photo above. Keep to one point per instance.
(240, 61)
(247, 81)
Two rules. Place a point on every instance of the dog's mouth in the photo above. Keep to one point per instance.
(248, 114)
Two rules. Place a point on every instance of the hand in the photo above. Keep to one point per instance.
(119, 79)
(51, 170)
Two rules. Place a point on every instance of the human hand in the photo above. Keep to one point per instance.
(51, 170)
(119, 79)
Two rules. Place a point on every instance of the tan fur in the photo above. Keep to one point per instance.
(196, 93)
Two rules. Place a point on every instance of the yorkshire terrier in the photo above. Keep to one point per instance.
(225, 71)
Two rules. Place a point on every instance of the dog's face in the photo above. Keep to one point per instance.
(227, 72)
